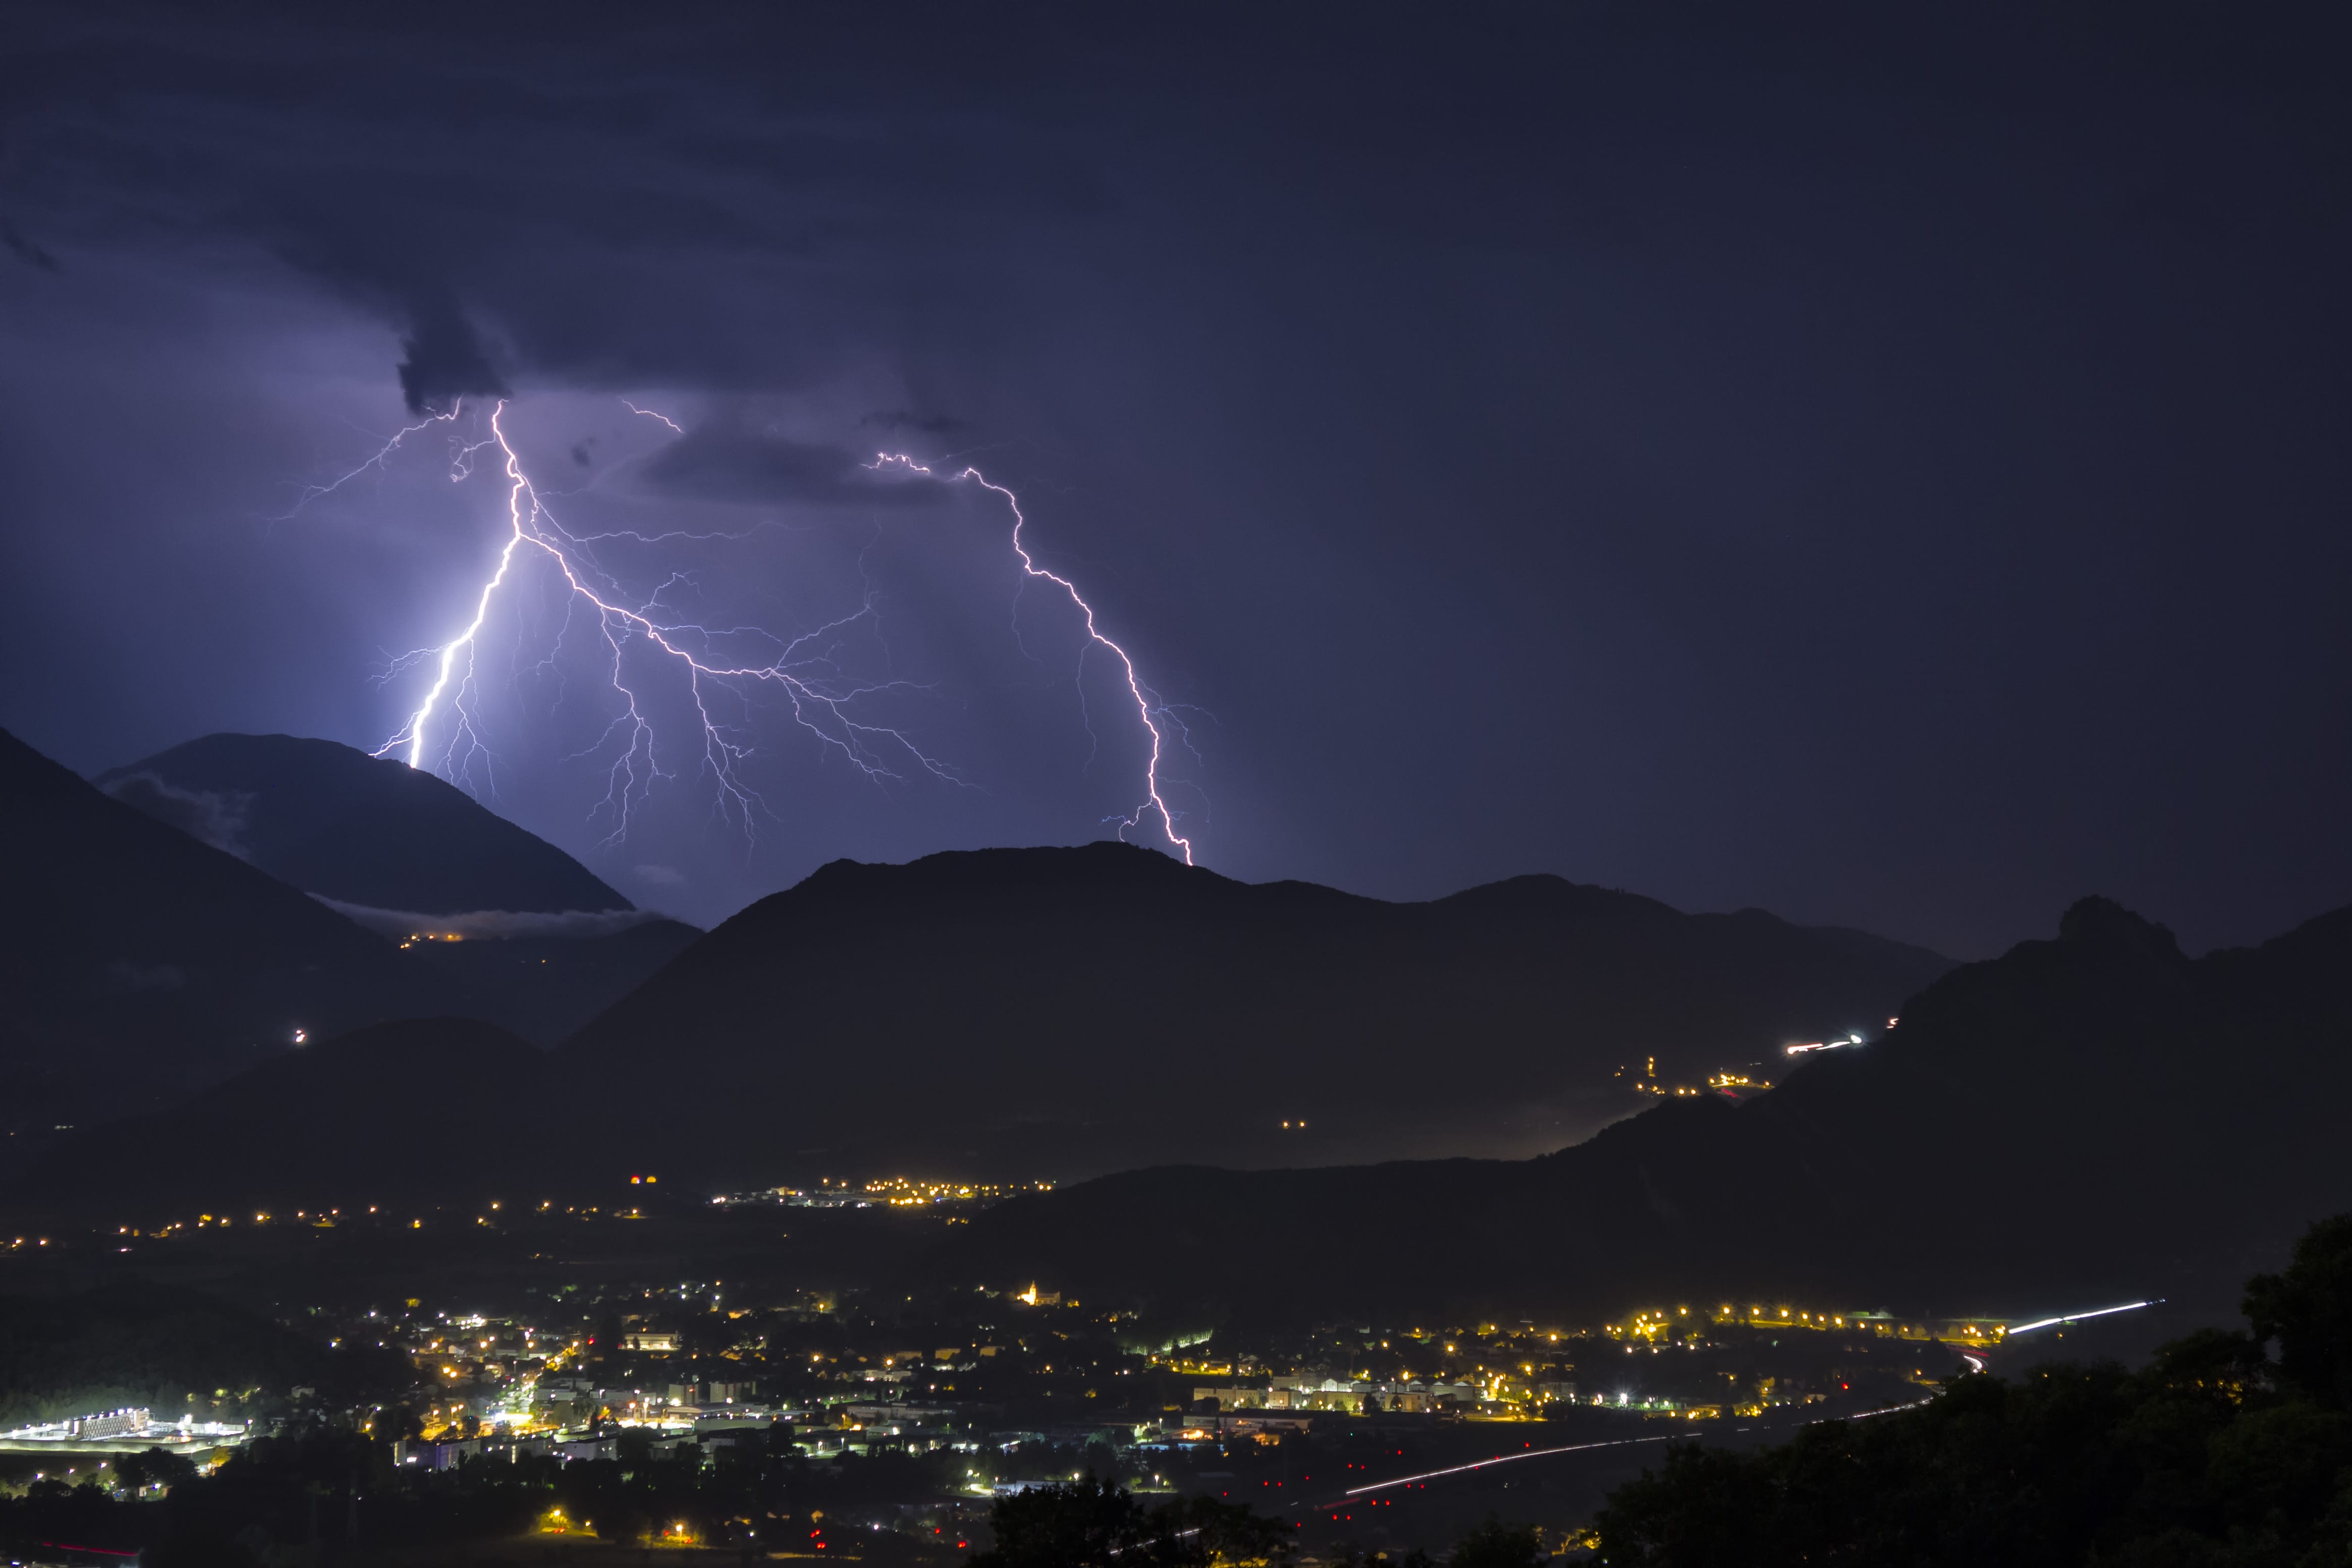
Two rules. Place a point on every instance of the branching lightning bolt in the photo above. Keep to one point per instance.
(313, 492)
(821, 699)
(1145, 707)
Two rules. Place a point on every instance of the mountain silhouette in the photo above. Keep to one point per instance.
(2079, 1120)
(1054, 1011)
(361, 830)
(138, 962)
(1046, 1012)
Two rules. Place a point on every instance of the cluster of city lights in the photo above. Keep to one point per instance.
(1650, 1325)
(890, 1192)
(900, 1191)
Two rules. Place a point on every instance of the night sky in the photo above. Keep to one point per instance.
(1887, 469)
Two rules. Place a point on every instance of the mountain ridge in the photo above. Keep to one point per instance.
(360, 829)
(978, 1013)
(1018, 990)
(2016, 1135)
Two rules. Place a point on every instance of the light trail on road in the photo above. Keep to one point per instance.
(1506, 1458)
(1686, 1436)
(2079, 1317)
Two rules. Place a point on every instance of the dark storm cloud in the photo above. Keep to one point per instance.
(446, 361)
(1881, 463)
(559, 192)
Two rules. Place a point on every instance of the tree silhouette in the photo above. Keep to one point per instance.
(1091, 1523)
(2214, 1457)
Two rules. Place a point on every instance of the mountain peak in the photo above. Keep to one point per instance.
(359, 829)
(137, 959)
(2101, 922)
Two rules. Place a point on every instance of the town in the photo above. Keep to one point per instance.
(594, 1401)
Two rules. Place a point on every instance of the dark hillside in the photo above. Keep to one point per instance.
(1060, 1010)
(2082, 1118)
(138, 962)
(411, 1110)
(545, 988)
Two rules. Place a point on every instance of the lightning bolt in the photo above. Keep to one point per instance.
(1146, 709)
(309, 493)
(445, 734)
(820, 701)
(654, 414)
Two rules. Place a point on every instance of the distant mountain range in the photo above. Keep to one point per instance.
(2080, 1121)
(2080, 1118)
(1059, 1012)
(1063, 1011)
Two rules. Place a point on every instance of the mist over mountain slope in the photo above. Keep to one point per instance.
(138, 962)
(359, 829)
(2090, 1119)
(1058, 1011)
(544, 945)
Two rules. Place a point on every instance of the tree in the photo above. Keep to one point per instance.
(2307, 1309)
(1202, 1532)
(1495, 1544)
(395, 1422)
(2213, 1457)
(1080, 1524)
(1089, 1523)
(155, 1467)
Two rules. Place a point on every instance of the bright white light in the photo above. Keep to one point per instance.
(2078, 1317)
